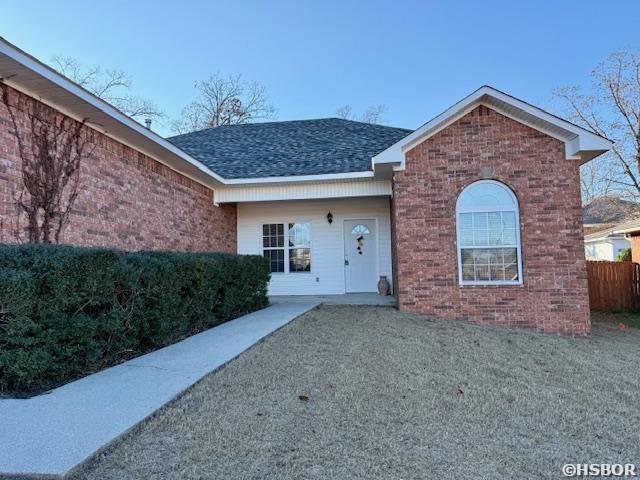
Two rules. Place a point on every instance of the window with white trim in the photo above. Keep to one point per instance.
(273, 246)
(299, 247)
(288, 251)
(488, 231)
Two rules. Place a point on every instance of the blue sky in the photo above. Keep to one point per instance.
(415, 57)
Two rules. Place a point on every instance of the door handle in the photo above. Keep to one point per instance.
(346, 262)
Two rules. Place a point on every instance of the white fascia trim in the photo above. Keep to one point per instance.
(300, 178)
(61, 81)
(627, 230)
(579, 139)
(603, 238)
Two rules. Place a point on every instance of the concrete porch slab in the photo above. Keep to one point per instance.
(50, 434)
(345, 299)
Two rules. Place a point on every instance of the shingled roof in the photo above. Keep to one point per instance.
(277, 149)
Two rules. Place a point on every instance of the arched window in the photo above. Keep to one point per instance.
(360, 230)
(488, 227)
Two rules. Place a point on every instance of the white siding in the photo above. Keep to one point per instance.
(605, 249)
(303, 191)
(327, 244)
(598, 250)
(620, 244)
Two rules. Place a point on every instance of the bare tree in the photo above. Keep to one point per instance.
(373, 114)
(611, 109)
(225, 101)
(597, 180)
(113, 86)
(51, 151)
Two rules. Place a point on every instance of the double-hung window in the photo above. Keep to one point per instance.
(273, 246)
(287, 246)
(488, 235)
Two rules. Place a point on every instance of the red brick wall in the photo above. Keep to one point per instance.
(635, 248)
(127, 200)
(554, 295)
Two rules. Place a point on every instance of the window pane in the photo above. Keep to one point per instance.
(509, 236)
(482, 273)
(299, 260)
(510, 256)
(496, 272)
(495, 237)
(468, 273)
(480, 220)
(495, 220)
(489, 264)
(485, 194)
(276, 260)
(481, 238)
(466, 238)
(511, 273)
(360, 230)
(300, 235)
(273, 235)
(509, 219)
(466, 221)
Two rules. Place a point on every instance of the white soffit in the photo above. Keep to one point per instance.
(303, 191)
(580, 144)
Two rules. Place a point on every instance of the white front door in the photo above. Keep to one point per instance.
(360, 256)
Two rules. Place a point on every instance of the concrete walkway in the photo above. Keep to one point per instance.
(50, 434)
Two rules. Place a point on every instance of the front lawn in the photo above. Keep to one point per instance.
(367, 392)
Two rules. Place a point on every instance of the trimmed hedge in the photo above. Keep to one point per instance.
(67, 311)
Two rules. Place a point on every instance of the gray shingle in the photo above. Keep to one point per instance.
(276, 149)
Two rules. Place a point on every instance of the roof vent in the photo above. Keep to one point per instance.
(147, 122)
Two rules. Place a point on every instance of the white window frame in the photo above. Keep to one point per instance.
(515, 207)
(286, 223)
(284, 244)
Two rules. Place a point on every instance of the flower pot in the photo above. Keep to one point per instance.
(383, 286)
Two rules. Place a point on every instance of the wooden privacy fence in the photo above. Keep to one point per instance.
(614, 285)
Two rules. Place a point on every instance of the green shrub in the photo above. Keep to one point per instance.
(624, 255)
(69, 311)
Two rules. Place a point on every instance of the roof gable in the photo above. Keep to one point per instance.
(580, 144)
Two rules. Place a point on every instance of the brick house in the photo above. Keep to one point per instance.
(456, 214)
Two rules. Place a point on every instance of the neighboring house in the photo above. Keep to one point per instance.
(631, 231)
(601, 216)
(605, 245)
(457, 214)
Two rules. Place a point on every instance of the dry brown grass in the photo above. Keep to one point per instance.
(396, 396)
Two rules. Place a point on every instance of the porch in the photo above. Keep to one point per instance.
(321, 247)
(344, 299)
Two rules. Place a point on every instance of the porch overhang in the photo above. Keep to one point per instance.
(310, 190)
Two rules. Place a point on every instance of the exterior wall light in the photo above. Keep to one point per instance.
(330, 218)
